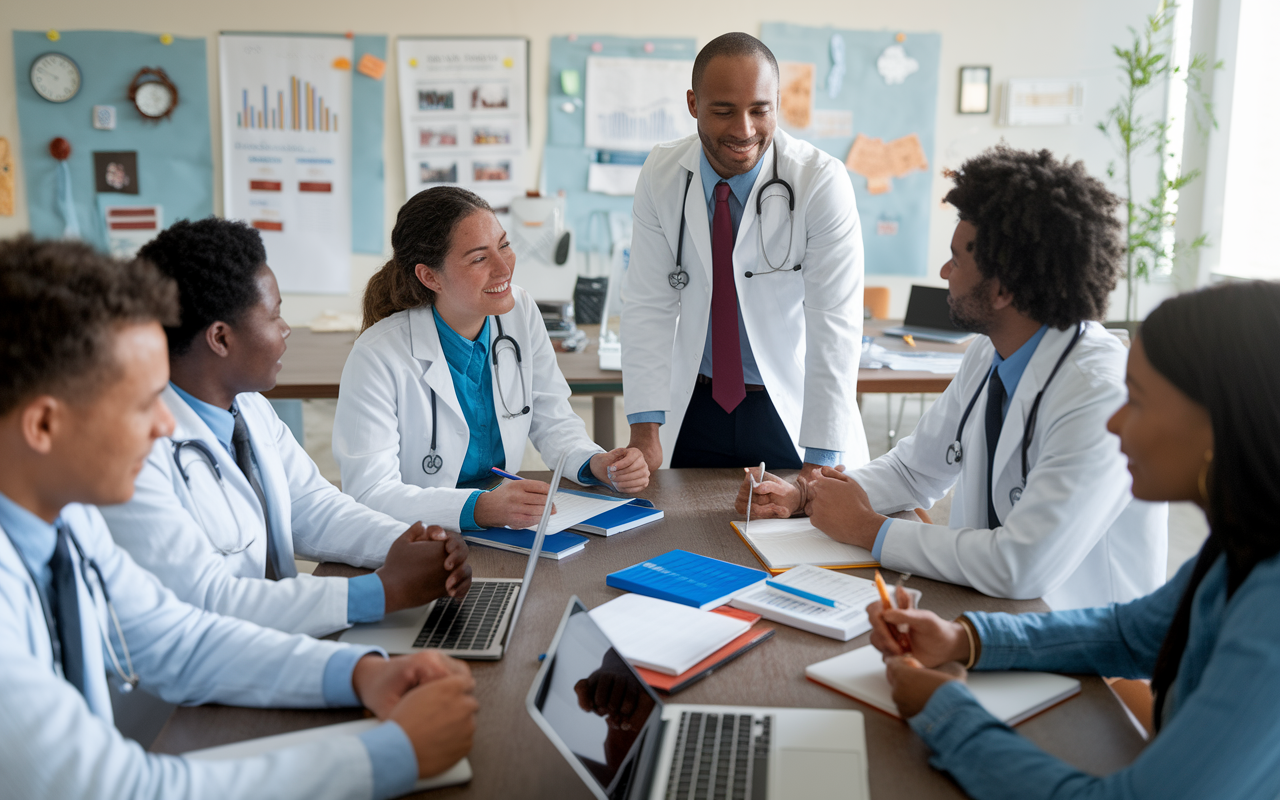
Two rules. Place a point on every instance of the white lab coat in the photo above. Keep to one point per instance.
(382, 429)
(1076, 537)
(54, 742)
(805, 327)
(161, 527)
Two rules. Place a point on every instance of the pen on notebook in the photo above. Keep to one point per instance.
(751, 495)
(810, 596)
(903, 640)
(505, 474)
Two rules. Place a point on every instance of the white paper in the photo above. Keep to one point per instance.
(1043, 102)
(832, 124)
(573, 508)
(940, 363)
(614, 179)
(661, 636)
(844, 622)
(787, 542)
(129, 227)
(634, 104)
(464, 113)
(286, 153)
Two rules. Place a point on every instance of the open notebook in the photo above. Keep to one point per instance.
(781, 544)
(1011, 697)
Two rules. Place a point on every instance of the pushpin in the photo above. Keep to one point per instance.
(350, 34)
(596, 47)
(166, 38)
(902, 37)
(648, 47)
(53, 35)
(413, 62)
(60, 148)
(573, 37)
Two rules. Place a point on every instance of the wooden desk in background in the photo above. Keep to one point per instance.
(513, 759)
(313, 368)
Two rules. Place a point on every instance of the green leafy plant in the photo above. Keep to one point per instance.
(1145, 65)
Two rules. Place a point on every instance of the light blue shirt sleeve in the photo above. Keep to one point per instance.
(467, 521)
(395, 765)
(879, 545)
(335, 685)
(659, 417)
(366, 599)
(823, 458)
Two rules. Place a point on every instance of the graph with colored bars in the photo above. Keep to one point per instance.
(656, 126)
(301, 108)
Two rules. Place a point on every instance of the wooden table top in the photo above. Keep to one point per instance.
(512, 758)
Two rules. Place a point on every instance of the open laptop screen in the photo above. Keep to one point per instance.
(597, 705)
(927, 307)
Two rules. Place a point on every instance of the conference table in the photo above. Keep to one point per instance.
(312, 368)
(511, 758)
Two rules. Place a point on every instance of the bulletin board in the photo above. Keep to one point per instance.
(368, 172)
(566, 158)
(174, 155)
(885, 94)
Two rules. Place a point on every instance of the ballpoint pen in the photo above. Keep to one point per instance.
(505, 474)
(810, 596)
(751, 492)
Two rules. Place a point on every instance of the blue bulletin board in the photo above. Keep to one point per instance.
(367, 168)
(888, 90)
(175, 155)
(566, 158)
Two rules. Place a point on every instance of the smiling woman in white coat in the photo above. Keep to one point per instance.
(453, 375)
(1042, 505)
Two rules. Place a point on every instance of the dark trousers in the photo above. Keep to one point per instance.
(752, 433)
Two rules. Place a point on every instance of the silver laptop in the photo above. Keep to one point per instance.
(477, 627)
(929, 317)
(623, 742)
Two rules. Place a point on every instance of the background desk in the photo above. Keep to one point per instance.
(512, 758)
(312, 368)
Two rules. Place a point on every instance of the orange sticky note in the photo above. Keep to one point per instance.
(342, 63)
(372, 66)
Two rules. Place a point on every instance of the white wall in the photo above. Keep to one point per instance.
(1017, 38)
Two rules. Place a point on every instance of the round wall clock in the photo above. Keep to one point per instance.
(153, 94)
(55, 77)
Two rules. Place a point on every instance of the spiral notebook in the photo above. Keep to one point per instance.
(781, 544)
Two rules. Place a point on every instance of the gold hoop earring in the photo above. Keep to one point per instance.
(1204, 476)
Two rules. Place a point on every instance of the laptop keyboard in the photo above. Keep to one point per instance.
(470, 623)
(720, 757)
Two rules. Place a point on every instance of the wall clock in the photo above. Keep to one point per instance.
(55, 77)
(153, 94)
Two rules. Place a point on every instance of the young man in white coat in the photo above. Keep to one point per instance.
(82, 374)
(1042, 503)
(228, 498)
(742, 321)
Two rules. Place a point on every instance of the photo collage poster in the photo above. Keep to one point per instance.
(464, 108)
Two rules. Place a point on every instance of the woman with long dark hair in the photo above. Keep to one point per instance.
(1202, 424)
(453, 375)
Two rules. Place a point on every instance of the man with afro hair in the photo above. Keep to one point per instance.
(1042, 503)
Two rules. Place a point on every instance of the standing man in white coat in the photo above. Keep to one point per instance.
(82, 372)
(225, 501)
(742, 325)
(1042, 505)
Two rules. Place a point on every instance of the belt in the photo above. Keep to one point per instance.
(750, 387)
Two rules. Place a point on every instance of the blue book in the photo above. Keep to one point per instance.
(555, 545)
(619, 519)
(686, 578)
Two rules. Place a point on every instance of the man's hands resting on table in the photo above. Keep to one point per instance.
(430, 696)
(423, 564)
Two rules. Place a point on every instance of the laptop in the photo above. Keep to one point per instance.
(929, 317)
(477, 627)
(624, 742)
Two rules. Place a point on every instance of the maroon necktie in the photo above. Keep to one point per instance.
(727, 387)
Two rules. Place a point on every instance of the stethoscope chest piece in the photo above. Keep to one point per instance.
(1015, 494)
(432, 463)
(678, 280)
(955, 452)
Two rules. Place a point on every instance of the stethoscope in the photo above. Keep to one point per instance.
(433, 462)
(955, 451)
(680, 279)
(212, 463)
(128, 677)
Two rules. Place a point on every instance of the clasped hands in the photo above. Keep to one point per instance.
(835, 502)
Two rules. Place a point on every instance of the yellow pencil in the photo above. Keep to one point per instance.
(887, 602)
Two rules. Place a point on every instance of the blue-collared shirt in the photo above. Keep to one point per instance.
(366, 598)
(34, 539)
(1010, 370)
(739, 191)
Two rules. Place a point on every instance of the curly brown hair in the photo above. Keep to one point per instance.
(1046, 230)
(60, 303)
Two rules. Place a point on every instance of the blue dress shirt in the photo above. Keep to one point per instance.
(1011, 370)
(1220, 736)
(366, 598)
(34, 539)
(739, 191)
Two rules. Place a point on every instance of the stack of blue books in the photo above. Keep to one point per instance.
(686, 578)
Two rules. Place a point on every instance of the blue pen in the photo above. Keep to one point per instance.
(505, 474)
(810, 596)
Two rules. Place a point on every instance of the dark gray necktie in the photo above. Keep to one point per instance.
(244, 460)
(995, 421)
(66, 611)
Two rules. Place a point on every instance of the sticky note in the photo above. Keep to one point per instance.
(372, 66)
(571, 82)
(341, 63)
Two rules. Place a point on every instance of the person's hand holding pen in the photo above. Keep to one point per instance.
(932, 640)
(769, 496)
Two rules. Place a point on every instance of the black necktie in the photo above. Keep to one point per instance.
(244, 460)
(66, 610)
(995, 421)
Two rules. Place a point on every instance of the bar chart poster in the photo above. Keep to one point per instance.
(464, 108)
(634, 104)
(286, 153)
